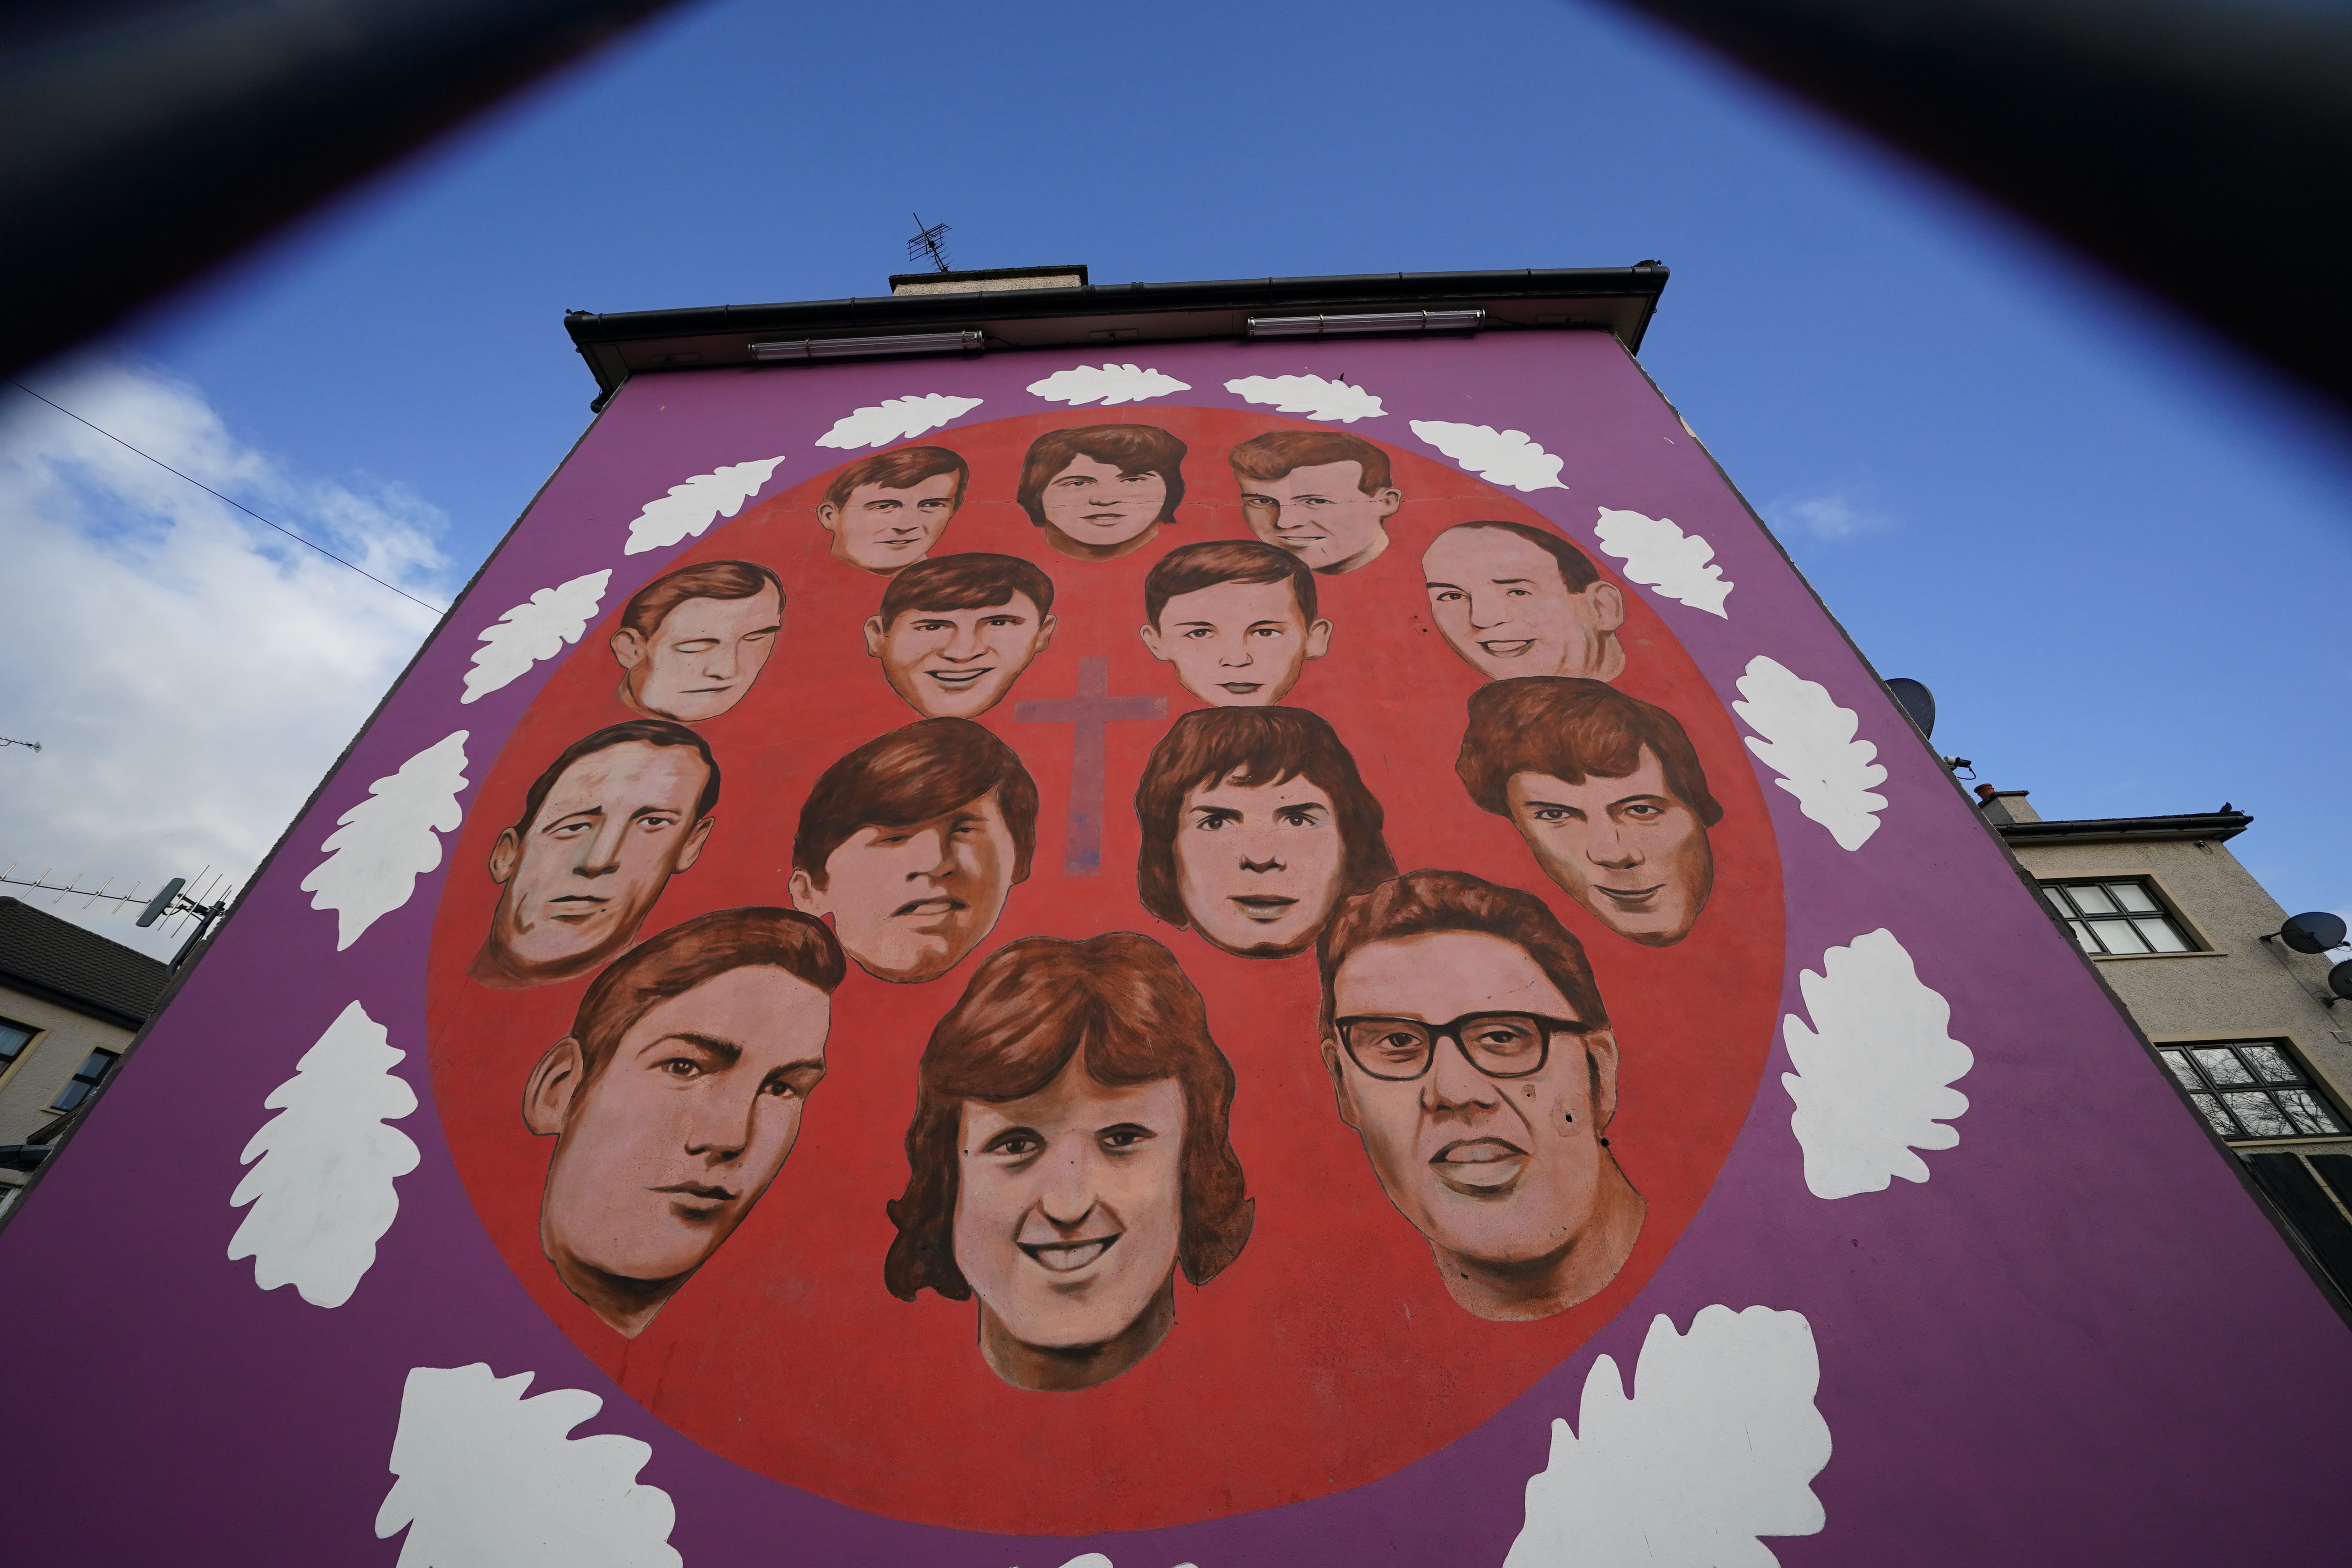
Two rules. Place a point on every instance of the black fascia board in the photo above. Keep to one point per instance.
(89, 1006)
(617, 344)
(2217, 826)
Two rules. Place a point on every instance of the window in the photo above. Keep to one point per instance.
(13, 1038)
(2121, 917)
(2252, 1089)
(85, 1082)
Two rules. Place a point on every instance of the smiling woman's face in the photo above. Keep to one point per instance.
(1069, 1205)
(1095, 504)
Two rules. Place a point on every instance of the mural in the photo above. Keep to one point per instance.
(995, 962)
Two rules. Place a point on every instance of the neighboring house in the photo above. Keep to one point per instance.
(2248, 1029)
(70, 1002)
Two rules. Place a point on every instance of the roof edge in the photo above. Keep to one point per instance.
(2216, 826)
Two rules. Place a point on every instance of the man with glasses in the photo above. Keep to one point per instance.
(1469, 1048)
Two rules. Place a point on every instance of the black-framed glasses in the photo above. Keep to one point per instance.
(1500, 1045)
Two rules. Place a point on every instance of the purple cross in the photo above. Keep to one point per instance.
(1092, 710)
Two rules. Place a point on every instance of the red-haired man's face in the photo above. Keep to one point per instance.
(1624, 848)
(701, 659)
(908, 904)
(958, 664)
(1259, 866)
(1320, 513)
(880, 529)
(1237, 644)
(1505, 608)
(1093, 504)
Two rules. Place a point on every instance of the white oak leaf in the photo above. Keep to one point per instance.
(1106, 384)
(322, 1195)
(384, 844)
(1873, 1069)
(1499, 456)
(1333, 401)
(1717, 1445)
(1810, 742)
(895, 420)
(541, 628)
(1657, 555)
(690, 507)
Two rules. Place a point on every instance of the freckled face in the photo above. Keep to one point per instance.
(1494, 1170)
(1092, 502)
(701, 659)
(1237, 644)
(1259, 866)
(1505, 608)
(666, 1151)
(881, 529)
(1623, 847)
(1320, 513)
(959, 663)
(1069, 1206)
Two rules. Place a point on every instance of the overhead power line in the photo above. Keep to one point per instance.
(240, 506)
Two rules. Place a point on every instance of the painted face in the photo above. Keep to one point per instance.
(1505, 608)
(701, 659)
(1320, 513)
(665, 1152)
(882, 529)
(583, 875)
(1237, 644)
(958, 664)
(1495, 1170)
(908, 904)
(1258, 866)
(1623, 847)
(1069, 1206)
(1093, 504)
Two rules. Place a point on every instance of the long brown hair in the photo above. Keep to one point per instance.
(1132, 449)
(1121, 1002)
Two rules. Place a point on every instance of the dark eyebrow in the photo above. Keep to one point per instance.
(1210, 623)
(1499, 581)
(1433, 583)
(653, 811)
(727, 1051)
(554, 822)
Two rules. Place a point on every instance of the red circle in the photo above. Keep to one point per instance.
(1328, 1354)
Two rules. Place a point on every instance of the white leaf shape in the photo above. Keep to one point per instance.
(1503, 457)
(387, 841)
(691, 506)
(1106, 384)
(1334, 401)
(322, 1195)
(1659, 555)
(489, 1480)
(895, 420)
(540, 628)
(1873, 1071)
(1718, 1446)
(1808, 742)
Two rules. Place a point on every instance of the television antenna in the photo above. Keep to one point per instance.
(12, 741)
(925, 246)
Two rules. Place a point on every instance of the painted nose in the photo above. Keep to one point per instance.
(1453, 1084)
(1271, 863)
(720, 1126)
(601, 856)
(927, 854)
(1067, 1196)
(1610, 847)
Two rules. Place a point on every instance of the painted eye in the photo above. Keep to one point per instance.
(682, 1067)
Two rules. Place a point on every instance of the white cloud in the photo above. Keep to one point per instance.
(322, 1195)
(689, 508)
(382, 846)
(1657, 555)
(541, 626)
(1834, 516)
(895, 420)
(1809, 741)
(1504, 458)
(489, 1480)
(189, 673)
(1718, 1446)
(1106, 384)
(1873, 1069)
(1336, 402)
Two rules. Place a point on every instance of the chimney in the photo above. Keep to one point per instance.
(988, 279)
(2006, 807)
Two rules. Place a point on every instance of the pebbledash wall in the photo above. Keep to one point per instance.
(575, 1150)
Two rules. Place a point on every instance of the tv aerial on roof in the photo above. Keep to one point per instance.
(925, 246)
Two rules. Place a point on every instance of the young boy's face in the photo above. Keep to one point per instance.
(1320, 513)
(1237, 644)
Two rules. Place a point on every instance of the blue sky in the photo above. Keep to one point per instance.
(2117, 556)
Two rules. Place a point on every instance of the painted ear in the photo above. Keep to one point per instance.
(505, 855)
(874, 636)
(553, 1085)
(692, 850)
(1390, 499)
(1318, 639)
(827, 514)
(1608, 605)
(1044, 635)
(807, 897)
(1601, 1052)
(628, 648)
(1152, 641)
(1339, 1090)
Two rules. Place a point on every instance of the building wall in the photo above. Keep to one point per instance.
(2243, 987)
(42, 1069)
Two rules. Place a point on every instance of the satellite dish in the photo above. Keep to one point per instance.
(1916, 701)
(2339, 980)
(2314, 933)
(163, 904)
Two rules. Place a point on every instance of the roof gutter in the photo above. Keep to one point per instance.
(2218, 827)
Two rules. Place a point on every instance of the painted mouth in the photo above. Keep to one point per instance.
(697, 1200)
(937, 904)
(575, 907)
(1265, 908)
(1631, 898)
(1067, 1257)
(1479, 1166)
(1242, 688)
(709, 690)
(1508, 647)
(957, 680)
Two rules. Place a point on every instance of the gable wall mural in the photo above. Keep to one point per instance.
(1274, 954)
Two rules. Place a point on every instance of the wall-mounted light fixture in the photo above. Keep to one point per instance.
(863, 348)
(1360, 326)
